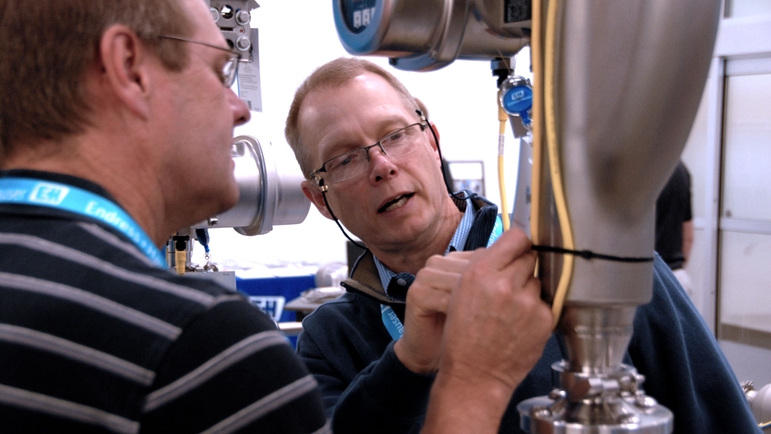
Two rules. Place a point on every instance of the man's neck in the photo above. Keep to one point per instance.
(140, 201)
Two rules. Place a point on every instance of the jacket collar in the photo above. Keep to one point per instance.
(364, 278)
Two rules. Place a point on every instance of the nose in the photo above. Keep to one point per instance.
(381, 166)
(241, 113)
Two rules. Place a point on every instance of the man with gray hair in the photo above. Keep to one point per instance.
(389, 344)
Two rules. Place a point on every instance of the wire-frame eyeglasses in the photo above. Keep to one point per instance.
(353, 163)
(229, 69)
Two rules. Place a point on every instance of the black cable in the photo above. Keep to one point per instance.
(326, 202)
(588, 254)
(441, 159)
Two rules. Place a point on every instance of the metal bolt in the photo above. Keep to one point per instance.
(243, 43)
(629, 419)
(557, 394)
(541, 412)
(645, 401)
(243, 17)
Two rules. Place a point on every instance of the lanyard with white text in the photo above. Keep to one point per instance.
(391, 320)
(73, 199)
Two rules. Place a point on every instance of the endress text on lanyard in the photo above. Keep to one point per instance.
(73, 199)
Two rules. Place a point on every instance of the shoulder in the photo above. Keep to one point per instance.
(669, 299)
(348, 309)
(681, 178)
(232, 351)
(668, 320)
(86, 256)
(350, 319)
(179, 340)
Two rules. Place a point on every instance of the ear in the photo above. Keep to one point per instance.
(126, 66)
(312, 191)
(431, 139)
(436, 130)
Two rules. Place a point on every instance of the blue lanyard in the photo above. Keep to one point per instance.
(391, 320)
(73, 199)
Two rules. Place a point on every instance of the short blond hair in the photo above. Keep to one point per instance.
(330, 75)
(46, 48)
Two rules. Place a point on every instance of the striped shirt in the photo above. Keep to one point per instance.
(95, 338)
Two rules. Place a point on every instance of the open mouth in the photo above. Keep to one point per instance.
(396, 203)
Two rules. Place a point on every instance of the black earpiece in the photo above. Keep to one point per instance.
(320, 181)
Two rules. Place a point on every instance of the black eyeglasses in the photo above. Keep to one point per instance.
(354, 163)
(229, 69)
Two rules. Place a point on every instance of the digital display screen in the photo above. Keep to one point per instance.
(358, 14)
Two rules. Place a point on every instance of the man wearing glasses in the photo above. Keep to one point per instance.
(380, 351)
(116, 122)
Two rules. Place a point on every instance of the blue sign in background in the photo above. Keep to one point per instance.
(266, 294)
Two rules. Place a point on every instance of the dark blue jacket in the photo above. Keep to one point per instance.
(367, 390)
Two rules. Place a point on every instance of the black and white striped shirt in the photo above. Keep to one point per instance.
(95, 338)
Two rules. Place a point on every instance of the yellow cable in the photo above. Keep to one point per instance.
(537, 64)
(554, 161)
(181, 259)
(502, 117)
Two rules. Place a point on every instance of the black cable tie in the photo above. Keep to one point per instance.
(589, 255)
